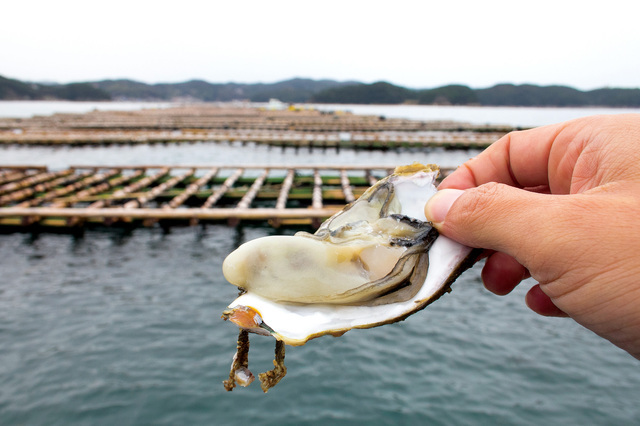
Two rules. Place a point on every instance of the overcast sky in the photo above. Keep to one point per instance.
(418, 44)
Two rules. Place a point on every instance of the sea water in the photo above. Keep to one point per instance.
(123, 327)
(500, 115)
(116, 326)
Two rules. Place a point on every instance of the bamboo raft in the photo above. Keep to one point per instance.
(215, 123)
(355, 140)
(33, 196)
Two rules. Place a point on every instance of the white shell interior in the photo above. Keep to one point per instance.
(296, 323)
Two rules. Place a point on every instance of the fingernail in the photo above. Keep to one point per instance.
(438, 206)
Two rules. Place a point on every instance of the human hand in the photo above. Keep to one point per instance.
(561, 204)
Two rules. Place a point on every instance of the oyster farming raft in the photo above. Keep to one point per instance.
(148, 194)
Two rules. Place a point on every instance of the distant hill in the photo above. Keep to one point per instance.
(300, 90)
(449, 95)
(294, 90)
(562, 96)
(17, 90)
(376, 93)
(499, 95)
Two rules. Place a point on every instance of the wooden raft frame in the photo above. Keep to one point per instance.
(185, 194)
(211, 123)
(347, 140)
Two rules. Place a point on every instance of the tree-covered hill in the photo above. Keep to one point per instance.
(294, 90)
(498, 95)
(300, 90)
(376, 93)
(449, 95)
(17, 90)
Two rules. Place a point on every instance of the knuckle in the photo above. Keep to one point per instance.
(489, 190)
(476, 204)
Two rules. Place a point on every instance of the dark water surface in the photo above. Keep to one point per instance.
(124, 328)
(512, 116)
(207, 153)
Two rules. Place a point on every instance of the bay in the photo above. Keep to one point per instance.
(26, 109)
(123, 327)
(518, 117)
(510, 116)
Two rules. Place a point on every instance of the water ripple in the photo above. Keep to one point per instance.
(125, 329)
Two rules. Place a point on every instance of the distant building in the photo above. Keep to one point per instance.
(276, 105)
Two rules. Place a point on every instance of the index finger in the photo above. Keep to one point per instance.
(519, 159)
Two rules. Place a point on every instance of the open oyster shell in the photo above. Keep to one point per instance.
(375, 262)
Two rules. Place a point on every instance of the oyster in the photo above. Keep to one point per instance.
(375, 262)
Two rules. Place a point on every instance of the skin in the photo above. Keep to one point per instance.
(561, 204)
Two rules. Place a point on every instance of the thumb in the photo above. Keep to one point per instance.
(492, 216)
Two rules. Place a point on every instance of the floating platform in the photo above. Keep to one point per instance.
(353, 140)
(215, 123)
(145, 195)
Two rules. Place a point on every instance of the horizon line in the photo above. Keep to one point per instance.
(53, 82)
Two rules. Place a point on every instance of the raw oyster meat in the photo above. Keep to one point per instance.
(375, 262)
